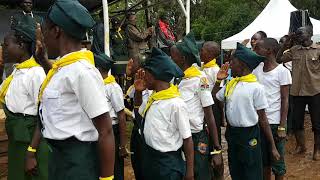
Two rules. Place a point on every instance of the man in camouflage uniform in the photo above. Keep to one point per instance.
(137, 40)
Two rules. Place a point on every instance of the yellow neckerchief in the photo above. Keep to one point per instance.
(109, 79)
(232, 84)
(212, 63)
(191, 72)
(118, 31)
(64, 61)
(5, 85)
(129, 91)
(171, 92)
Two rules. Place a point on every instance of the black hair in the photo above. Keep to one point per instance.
(271, 44)
(262, 34)
(213, 46)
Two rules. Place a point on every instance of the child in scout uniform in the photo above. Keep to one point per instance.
(165, 125)
(276, 80)
(138, 99)
(245, 104)
(73, 106)
(19, 95)
(209, 53)
(115, 98)
(195, 91)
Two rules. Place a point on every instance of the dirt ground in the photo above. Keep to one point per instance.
(299, 167)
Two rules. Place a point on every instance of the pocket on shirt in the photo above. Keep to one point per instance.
(314, 64)
(51, 101)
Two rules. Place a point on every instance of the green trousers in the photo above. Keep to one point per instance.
(202, 167)
(72, 159)
(118, 160)
(20, 130)
(159, 166)
(244, 153)
(278, 167)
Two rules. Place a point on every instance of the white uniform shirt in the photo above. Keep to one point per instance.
(197, 95)
(74, 96)
(242, 105)
(115, 99)
(166, 125)
(211, 74)
(272, 82)
(288, 65)
(22, 94)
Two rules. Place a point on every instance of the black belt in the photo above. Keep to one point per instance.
(68, 140)
(241, 129)
(18, 114)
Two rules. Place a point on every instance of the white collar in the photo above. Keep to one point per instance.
(28, 13)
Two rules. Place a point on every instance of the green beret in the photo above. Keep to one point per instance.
(188, 47)
(72, 17)
(248, 56)
(26, 29)
(161, 66)
(103, 61)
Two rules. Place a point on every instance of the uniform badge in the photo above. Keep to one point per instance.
(203, 148)
(253, 142)
(204, 83)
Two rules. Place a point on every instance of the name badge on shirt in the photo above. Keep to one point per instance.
(204, 84)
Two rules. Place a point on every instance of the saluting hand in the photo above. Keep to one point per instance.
(245, 42)
(139, 82)
(223, 72)
(41, 53)
(31, 164)
(129, 68)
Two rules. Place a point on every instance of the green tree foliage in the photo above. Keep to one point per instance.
(219, 19)
(216, 19)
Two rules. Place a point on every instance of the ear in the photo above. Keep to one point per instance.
(57, 32)
(21, 45)
(270, 51)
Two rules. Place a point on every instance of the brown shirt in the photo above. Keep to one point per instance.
(305, 69)
(137, 40)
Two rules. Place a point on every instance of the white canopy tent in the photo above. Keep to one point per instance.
(274, 20)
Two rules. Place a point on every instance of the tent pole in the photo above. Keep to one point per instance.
(182, 7)
(106, 27)
(188, 16)
(186, 12)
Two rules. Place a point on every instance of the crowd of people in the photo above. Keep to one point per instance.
(66, 119)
